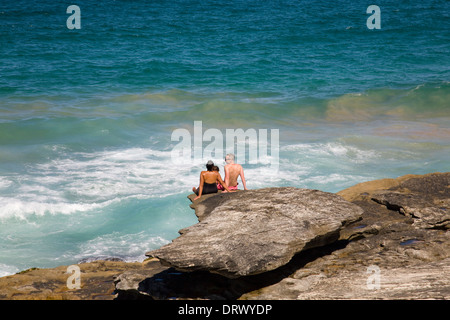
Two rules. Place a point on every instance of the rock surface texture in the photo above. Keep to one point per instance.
(252, 232)
(382, 239)
(51, 284)
(400, 249)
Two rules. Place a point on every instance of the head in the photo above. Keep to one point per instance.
(229, 158)
(216, 168)
(209, 165)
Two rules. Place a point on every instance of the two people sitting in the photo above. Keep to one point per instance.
(211, 181)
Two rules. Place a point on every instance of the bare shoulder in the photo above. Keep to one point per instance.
(233, 167)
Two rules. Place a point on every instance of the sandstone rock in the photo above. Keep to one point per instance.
(51, 284)
(129, 283)
(425, 199)
(412, 282)
(420, 201)
(409, 265)
(246, 233)
(172, 284)
(411, 252)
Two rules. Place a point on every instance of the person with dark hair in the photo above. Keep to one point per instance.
(208, 181)
(219, 186)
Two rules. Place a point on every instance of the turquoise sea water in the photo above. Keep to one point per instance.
(87, 115)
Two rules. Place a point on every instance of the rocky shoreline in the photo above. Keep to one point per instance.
(382, 239)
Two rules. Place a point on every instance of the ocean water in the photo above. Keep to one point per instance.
(87, 115)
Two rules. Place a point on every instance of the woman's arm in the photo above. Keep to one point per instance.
(200, 188)
(222, 182)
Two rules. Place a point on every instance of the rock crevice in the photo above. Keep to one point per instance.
(251, 232)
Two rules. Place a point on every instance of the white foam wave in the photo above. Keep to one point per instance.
(6, 270)
(21, 209)
(82, 182)
(128, 247)
(85, 182)
(328, 166)
(4, 183)
(116, 173)
(334, 150)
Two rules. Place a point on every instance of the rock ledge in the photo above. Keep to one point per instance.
(251, 232)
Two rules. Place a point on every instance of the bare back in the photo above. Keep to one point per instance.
(209, 176)
(232, 172)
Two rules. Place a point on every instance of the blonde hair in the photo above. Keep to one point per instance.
(229, 157)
